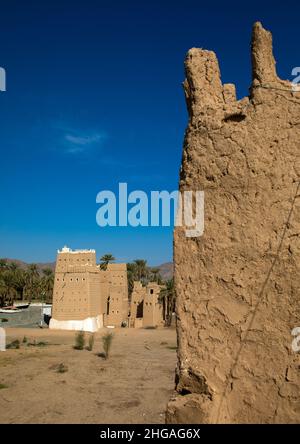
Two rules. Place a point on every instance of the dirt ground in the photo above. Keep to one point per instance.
(132, 386)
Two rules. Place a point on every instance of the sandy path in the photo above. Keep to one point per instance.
(133, 386)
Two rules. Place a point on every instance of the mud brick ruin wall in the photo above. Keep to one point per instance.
(146, 310)
(153, 309)
(238, 285)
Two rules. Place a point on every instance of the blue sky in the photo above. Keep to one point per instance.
(94, 98)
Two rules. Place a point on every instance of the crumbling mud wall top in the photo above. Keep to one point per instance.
(238, 285)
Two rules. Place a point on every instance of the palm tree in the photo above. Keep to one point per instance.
(3, 268)
(14, 269)
(141, 269)
(167, 296)
(15, 282)
(32, 277)
(47, 272)
(2, 291)
(106, 259)
(47, 283)
(13, 266)
(155, 276)
(12, 280)
(20, 278)
(131, 277)
(33, 269)
(3, 265)
(9, 286)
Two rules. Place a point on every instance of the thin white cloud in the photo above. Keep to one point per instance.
(76, 142)
(83, 140)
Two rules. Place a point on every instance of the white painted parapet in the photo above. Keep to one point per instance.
(89, 324)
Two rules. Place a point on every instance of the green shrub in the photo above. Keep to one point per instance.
(4, 320)
(107, 341)
(37, 344)
(79, 340)
(91, 343)
(62, 368)
(14, 344)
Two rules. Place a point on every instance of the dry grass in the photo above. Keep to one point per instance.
(56, 384)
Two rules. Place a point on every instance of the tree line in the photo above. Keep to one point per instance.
(24, 283)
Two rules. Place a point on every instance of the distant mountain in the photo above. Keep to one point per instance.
(165, 270)
(40, 265)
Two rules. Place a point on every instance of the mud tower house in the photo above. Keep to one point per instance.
(86, 297)
(145, 308)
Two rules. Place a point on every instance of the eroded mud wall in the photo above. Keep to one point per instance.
(238, 285)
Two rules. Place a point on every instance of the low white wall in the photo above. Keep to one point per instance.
(88, 324)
